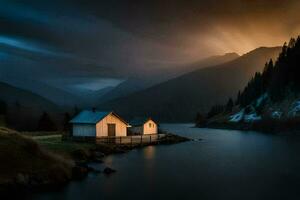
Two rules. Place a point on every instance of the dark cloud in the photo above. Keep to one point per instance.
(121, 38)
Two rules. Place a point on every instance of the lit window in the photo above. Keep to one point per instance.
(149, 124)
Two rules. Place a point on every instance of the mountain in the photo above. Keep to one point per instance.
(156, 76)
(207, 62)
(270, 102)
(125, 88)
(54, 94)
(180, 98)
(19, 68)
(25, 107)
(92, 98)
(11, 95)
(274, 93)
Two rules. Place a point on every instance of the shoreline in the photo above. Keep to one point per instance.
(78, 156)
(277, 128)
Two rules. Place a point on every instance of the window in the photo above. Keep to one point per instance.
(150, 125)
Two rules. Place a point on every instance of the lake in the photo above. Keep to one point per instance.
(226, 164)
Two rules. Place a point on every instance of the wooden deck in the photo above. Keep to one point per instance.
(134, 139)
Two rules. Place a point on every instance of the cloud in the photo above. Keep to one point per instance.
(30, 46)
(117, 39)
(96, 84)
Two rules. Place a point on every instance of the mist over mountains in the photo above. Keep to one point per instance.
(141, 82)
(83, 92)
(79, 53)
(24, 108)
(166, 95)
(179, 99)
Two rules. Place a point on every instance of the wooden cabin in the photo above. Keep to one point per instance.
(143, 126)
(92, 123)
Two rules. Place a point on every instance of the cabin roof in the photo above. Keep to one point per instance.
(92, 117)
(139, 121)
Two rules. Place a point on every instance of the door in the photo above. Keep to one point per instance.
(111, 130)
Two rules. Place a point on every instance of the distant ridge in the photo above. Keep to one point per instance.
(11, 95)
(53, 94)
(178, 99)
(25, 107)
(135, 84)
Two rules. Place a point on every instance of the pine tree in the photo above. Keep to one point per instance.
(66, 122)
(45, 123)
(267, 75)
(229, 105)
(18, 106)
(215, 110)
(3, 113)
(3, 108)
(238, 99)
(200, 120)
(277, 79)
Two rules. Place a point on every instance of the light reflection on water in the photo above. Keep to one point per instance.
(149, 152)
(226, 164)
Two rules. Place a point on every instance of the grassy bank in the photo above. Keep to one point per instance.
(67, 149)
(72, 149)
(46, 161)
(25, 164)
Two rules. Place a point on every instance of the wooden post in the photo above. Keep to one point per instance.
(150, 138)
(120, 140)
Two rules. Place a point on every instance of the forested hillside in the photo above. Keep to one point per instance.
(270, 101)
(179, 99)
(279, 79)
(25, 110)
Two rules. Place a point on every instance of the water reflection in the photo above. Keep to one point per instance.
(109, 161)
(225, 165)
(149, 152)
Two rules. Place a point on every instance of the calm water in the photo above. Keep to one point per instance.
(226, 164)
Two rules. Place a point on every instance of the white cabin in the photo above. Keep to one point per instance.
(145, 126)
(98, 124)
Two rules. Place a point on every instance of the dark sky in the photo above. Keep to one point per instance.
(117, 38)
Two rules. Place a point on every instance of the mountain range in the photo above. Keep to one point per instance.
(25, 107)
(156, 76)
(179, 99)
(166, 95)
(64, 96)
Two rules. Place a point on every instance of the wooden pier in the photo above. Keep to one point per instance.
(134, 139)
(129, 140)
